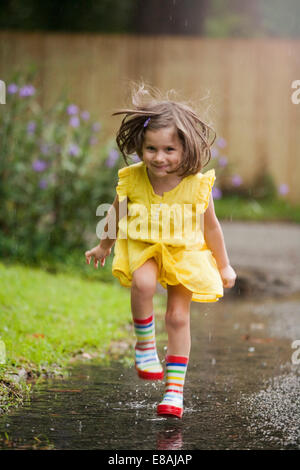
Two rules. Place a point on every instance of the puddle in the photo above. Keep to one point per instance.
(241, 392)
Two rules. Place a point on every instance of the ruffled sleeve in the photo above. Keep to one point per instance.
(205, 184)
(123, 187)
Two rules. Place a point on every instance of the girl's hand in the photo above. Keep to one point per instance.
(99, 253)
(228, 276)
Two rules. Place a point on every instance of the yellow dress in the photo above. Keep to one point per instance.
(168, 228)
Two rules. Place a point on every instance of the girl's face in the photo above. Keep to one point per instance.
(162, 151)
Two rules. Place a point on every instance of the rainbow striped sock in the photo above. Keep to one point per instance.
(172, 402)
(147, 362)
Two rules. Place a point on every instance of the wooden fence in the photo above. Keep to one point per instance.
(247, 85)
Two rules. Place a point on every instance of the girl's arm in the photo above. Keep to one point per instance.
(113, 212)
(214, 239)
(101, 251)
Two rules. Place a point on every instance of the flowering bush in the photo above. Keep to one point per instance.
(231, 183)
(51, 182)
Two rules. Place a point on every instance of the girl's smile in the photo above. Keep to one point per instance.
(162, 152)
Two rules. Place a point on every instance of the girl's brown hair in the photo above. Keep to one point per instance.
(196, 136)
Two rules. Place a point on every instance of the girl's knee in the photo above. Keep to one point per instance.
(143, 285)
(144, 279)
(177, 319)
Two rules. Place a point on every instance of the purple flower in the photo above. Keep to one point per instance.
(39, 165)
(45, 149)
(136, 158)
(74, 150)
(93, 140)
(214, 152)
(27, 90)
(217, 193)
(43, 183)
(112, 158)
(74, 121)
(283, 189)
(85, 115)
(236, 180)
(31, 126)
(221, 142)
(223, 161)
(96, 126)
(72, 109)
(12, 88)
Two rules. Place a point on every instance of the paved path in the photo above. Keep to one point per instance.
(267, 255)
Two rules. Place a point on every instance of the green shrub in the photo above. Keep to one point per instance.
(52, 176)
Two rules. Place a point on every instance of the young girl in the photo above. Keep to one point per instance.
(156, 211)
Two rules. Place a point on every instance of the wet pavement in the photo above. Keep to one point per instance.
(266, 256)
(241, 391)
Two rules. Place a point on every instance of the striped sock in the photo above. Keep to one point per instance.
(172, 402)
(147, 362)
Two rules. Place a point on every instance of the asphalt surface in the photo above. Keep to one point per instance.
(266, 255)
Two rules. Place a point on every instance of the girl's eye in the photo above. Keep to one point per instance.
(150, 148)
(170, 149)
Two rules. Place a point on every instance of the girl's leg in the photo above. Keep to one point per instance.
(179, 344)
(143, 288)
(144, 280)
(178, 320)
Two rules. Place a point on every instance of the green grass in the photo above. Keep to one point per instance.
(45, 318)
(238, 208)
